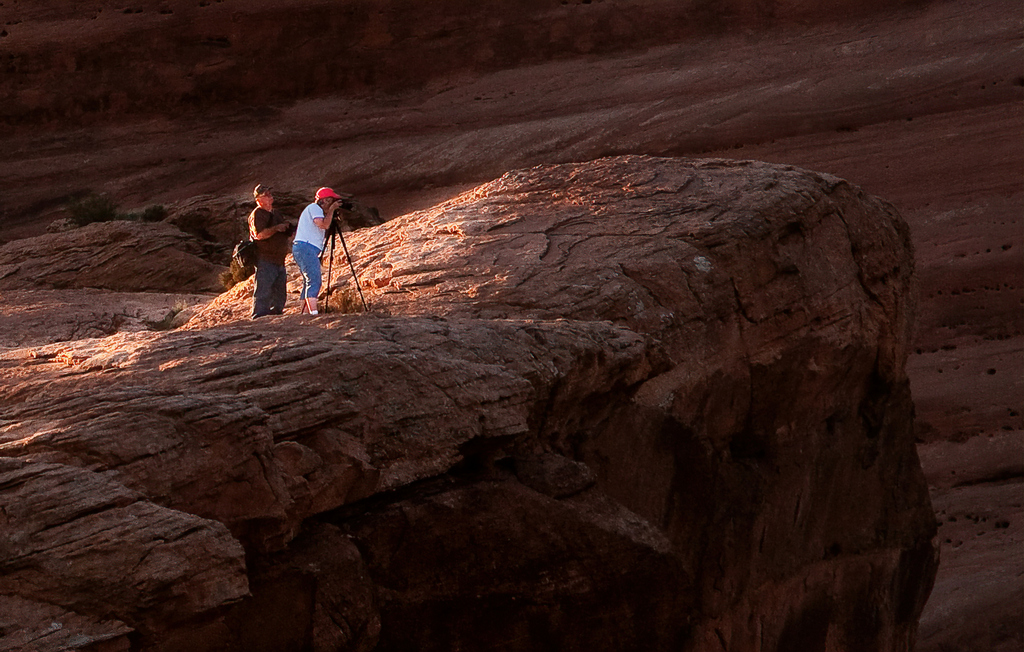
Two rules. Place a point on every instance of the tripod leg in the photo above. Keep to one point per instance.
(330, 264)
(351, 267)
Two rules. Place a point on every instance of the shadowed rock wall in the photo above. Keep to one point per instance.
(751, 281)
(100, 57)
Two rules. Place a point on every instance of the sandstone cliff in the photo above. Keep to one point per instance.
(630, 404)
(178, 55)
(920, 103)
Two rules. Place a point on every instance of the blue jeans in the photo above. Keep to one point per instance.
(307, 257)
(271, 289)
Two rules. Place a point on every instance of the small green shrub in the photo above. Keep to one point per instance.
(92, 208)
(344, 300)
(235, 274)
(100, 208)
(153, 213)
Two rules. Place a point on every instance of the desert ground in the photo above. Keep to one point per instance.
(920, 106)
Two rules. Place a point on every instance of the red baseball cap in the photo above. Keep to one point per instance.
(327, 192)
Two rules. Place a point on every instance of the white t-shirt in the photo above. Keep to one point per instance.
(308, 231)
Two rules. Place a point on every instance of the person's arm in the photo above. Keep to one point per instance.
(325, 221)
(271, 231)
(262, 231)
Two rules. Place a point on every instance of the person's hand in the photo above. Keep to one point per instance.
(282, 228)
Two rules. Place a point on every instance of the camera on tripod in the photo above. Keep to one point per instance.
(344, 204)
(335, 232)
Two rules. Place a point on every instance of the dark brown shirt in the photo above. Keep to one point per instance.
(274, 248)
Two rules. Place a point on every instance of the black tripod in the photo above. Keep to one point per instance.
(335, 232)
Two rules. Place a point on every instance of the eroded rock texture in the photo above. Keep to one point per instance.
(182, 54)
(40, 316)
(630, 404)
(119, 255)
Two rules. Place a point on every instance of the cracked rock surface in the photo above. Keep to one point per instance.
(919, 103)
(623, 402)
(119, 255)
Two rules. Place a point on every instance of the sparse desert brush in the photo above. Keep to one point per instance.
(235, 274)
(92, 208)
(344, 300)
(96, 207)
(154, 213)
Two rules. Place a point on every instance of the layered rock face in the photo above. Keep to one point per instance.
(636, 403)
(182, 54)
(102, 279)
(119, 255)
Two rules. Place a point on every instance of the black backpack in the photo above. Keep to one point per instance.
(244, 253)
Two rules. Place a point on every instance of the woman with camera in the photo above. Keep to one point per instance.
(309, 243)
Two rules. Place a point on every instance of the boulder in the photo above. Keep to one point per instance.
(777, 305)
(120, 255)
(212, 218)
(634, 403)
(260, 428)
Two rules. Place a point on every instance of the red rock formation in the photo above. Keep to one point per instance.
(568, 430)
(36, 317)
(119, 255)
(921, 107)
(180, 54)
(755, 298)
(78, 541)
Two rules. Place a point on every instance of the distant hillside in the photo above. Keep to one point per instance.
(74, 61)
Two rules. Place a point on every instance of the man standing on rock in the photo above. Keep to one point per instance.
(309, 242)
(270, 232)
